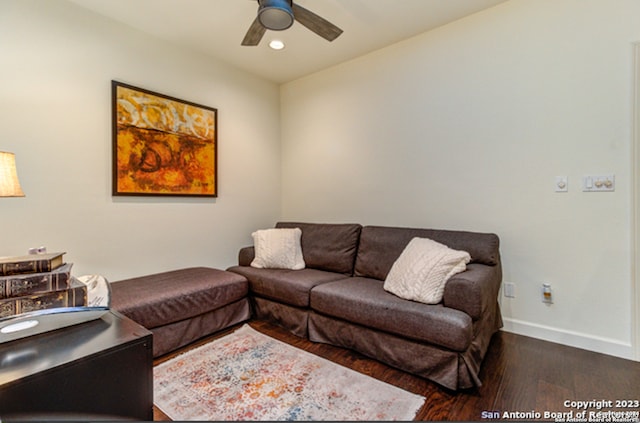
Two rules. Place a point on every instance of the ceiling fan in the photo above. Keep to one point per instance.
(278, 15)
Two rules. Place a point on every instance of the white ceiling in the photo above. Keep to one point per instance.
(216, 28)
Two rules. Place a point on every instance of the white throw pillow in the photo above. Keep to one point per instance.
(278, 248)
(423, 269)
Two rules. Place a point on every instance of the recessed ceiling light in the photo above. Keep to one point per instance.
(276, 44)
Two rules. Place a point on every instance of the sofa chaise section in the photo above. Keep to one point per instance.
(181, 306)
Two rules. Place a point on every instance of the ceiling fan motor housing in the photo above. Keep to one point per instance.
(276, 15)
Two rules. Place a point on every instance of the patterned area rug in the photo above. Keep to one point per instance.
(250, 376)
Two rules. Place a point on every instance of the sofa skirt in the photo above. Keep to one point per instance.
(170, 337)
(451, 369)
(291, 318)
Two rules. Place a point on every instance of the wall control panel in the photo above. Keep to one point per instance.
(590, 183)
(599, 183)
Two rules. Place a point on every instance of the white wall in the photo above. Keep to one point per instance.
(56, 65)
(465, 127)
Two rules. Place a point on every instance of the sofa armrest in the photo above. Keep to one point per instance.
(474, 291)
(246, 255)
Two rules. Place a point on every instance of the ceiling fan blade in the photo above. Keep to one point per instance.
(254, 34)
(315, 23)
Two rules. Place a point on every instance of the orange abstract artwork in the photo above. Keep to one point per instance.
(162, 145)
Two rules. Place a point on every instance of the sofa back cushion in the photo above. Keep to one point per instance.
(327, 246)
(380, 247)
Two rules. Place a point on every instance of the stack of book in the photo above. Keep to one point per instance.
(36, 282)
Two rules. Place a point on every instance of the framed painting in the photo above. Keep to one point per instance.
(162, 145)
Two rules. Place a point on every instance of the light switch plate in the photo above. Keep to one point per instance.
(599, 183)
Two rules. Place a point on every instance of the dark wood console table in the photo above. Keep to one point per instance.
(101, 370)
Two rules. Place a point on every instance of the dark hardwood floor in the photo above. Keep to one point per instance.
(519, 374)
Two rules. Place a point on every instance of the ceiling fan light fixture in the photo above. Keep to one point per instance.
(276, 15)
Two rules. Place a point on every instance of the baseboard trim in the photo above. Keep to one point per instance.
(573, 339)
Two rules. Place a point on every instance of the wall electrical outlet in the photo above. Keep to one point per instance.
(547, 294)
(509, 290)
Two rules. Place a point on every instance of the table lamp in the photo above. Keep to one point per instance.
(9, 184)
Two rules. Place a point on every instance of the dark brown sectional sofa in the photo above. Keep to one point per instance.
(338, 298)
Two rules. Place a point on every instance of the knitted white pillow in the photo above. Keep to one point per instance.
(423, 269)
(278, 248)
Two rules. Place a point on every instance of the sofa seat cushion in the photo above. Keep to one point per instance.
(286, 286)
(163, 298)
(365, 302)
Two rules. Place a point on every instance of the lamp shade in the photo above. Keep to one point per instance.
(9, 184)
